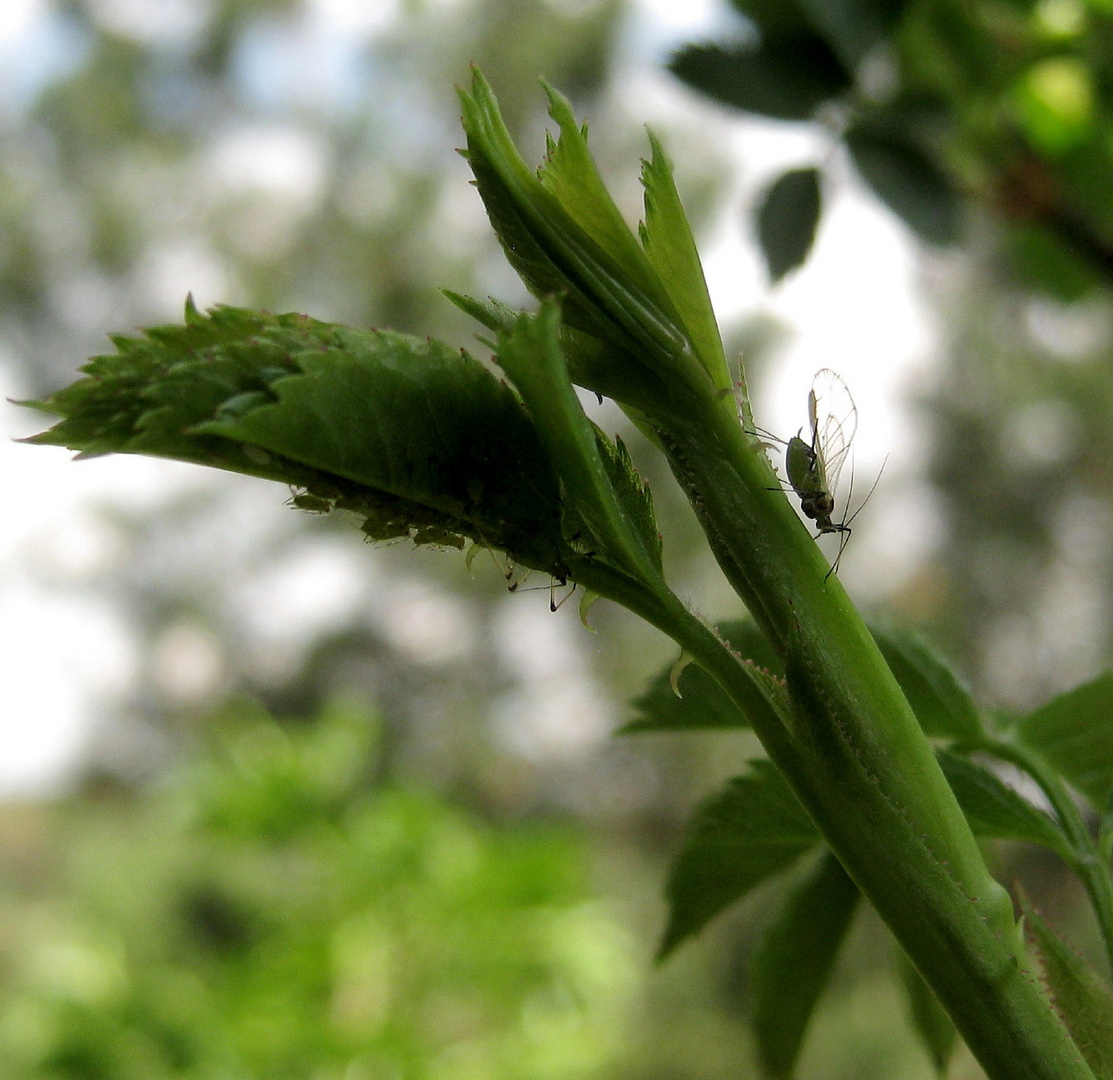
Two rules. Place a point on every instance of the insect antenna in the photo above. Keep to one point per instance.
(766, 439)
(869, 494)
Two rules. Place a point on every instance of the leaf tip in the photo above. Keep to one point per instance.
(192, 316)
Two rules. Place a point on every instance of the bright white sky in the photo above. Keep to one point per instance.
(853, 308)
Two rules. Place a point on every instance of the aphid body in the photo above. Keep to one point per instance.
(814, 465)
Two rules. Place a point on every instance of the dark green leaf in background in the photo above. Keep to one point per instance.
(851, 27)
(995, 810)
(941, 701)
(1082, 999)
(1074, 732)
(787, 218)
(794, 959)
(787, 77)
(909, 182)
(929, 1018)
(1043, 260)
(752, 829)
(774, 17)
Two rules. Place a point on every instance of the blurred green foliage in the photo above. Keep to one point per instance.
(274, 906)
(946, 109)
(272, 911)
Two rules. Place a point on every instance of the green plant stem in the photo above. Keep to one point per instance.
(664, 610)
(854, 753)
(1087, 861)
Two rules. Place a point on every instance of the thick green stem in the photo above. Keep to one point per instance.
(664, 610)
(860, 764)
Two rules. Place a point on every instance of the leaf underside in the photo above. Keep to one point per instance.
(929, 1019)
(794, 959)
(750, 830)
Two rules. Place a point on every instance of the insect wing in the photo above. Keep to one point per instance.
(834, 420)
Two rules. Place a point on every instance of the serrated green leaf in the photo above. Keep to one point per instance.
(540, 238)
(492, 313)
(787, 218)
(412, 417)
(632, 494)
(907, 180)
(995, 810)
(671, 250)
(941, 701)
(1074, 734)
(569, 172)
(1082, 999)
(562, 234)
(703, 703)
(787, 77)
(150, 395)
(412, 434)
(665, 265)
(608, 505)
(793, 961)
(591, 362)
(752, 829)
(929, 1019)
